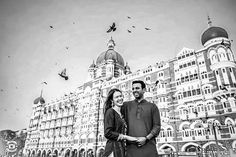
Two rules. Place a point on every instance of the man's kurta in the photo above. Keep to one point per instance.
(143, 119)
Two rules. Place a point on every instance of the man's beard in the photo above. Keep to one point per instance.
(137, 97)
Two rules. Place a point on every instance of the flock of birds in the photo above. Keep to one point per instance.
(113, 28)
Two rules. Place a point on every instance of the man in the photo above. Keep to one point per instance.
(143, 120)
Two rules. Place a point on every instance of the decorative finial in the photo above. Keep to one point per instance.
(111, 44)
(41, 93)
(209, 21)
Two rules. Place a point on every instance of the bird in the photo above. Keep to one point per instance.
(8, 56)
(63, 74)
(147, 29)
(112, 28)
(73, 22)
(128, 17)
(67, 47)
(2, 90)
(133, 26)
(128, 31)
(51, 26)
(44, 82)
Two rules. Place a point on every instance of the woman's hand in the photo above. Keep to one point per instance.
(130, 138)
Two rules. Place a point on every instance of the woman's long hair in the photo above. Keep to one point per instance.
(108, 102)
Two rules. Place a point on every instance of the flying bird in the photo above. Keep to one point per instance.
(128, 31)
(133, 26)
(51, 26)
(44, 83)
(1, 90)
(128, 17)
(147, 29)
(63, 74)
(112, 28)
(67, 47)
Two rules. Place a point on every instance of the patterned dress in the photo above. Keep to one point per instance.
(114, 125)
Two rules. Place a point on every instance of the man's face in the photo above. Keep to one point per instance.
(138, 91)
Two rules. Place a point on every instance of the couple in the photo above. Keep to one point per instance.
(131, 127)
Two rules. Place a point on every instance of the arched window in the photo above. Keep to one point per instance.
(222, 54)
(229, 54)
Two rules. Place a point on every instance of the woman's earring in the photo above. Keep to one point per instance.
(112, 104)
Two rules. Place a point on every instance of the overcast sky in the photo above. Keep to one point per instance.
(31, 52)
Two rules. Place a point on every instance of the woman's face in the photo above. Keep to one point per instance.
(117, 98)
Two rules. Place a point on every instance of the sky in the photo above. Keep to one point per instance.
(31, 52)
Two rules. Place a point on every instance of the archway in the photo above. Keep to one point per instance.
(210, 149)
(33, 154)
(67, 154)
(82, 152)
(55, 153)
(44, 153)
(100, 152)
(74, 153)
(49, 153)
(39, 153)
(191, 148)
(90, 153)
(28, 154)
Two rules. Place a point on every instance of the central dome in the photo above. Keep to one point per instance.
(110, 54)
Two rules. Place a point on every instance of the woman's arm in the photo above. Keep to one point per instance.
(126, 137)
(109, 126)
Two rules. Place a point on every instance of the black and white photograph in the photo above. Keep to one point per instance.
(125, 78)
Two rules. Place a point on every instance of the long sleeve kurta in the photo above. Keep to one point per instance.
(113, 126)
(143, 120)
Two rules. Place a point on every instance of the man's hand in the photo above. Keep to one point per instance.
(141, 141)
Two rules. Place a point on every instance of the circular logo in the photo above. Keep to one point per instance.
(11, 146)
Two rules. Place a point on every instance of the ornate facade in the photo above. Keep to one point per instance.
(195, 93)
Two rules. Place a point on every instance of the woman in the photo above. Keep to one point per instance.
(114, 125)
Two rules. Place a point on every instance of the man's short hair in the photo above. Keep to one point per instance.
(143, 85)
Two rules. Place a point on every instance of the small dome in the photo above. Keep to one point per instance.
(213, 32)
(39, 99)
(92, 65)
(127, 66)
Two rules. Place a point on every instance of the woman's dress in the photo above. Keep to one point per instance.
(114, 125)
